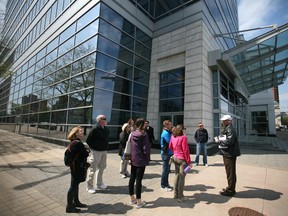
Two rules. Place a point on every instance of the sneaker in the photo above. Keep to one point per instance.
(206, 165)
(102, 187)
(123, 176)
(167, 189)
(141, 205)
(91, 191)
(195, 164)
(133, 202)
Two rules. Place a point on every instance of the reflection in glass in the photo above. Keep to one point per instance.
(141, 63)
(84, 64)
(139, 105)
(92, 14)
(60, 102)
(112, 82)
(140, 90)
(87, 32)
(81, 98)
(115, 50)
(85, 48)
(79, 116)
(67, 33)
(171, 105)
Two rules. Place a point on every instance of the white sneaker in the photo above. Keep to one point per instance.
(102, 187)
(167, 189)
(206, 165)
(91, 191)
(123, 176)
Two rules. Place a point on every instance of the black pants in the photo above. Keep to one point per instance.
(230, 168)
(137, 174)
(72, 195)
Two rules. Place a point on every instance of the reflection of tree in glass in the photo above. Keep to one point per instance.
(70, 83)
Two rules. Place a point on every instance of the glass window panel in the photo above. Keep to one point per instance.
(92, 14)
(143, 51)
(143, 38)
(51, 56)
(85, 48)
(139, 105)
(141, 76)
(60, 102)
(84, 80)
(40, 64)
(29, 80)
(81, 98)
(79, 116)
(115, 50)
(84, 64)
(171, 105)
(171, 91)
(62, 73)
(124, 70)
(59, 117)
(67, 33)
(48, 18)
(69, 44)
(61, 88)
(112, 82)
(103, 98)
(87, 32)
(172, 77)
(111, 65)
(52, 45)
(47, 93)
(142, 63)
(140, 90)
(116, 35)
(65, 59)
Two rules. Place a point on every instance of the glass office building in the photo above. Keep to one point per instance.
(63, 62)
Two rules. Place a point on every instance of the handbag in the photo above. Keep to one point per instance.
(127, 152)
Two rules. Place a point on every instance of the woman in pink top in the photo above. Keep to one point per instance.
(178, 144)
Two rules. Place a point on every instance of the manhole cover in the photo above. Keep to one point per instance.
(241, 211)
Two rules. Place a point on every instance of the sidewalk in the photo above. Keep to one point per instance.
(34, 181)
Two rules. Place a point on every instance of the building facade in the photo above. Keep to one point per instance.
(63, 62)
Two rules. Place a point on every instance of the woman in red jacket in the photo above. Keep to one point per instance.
(179, 146)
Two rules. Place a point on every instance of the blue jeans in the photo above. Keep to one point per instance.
(201, 147)
(165, 170)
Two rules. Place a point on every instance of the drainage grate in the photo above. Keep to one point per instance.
(241, 211)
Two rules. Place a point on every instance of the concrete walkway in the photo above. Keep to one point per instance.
(34, 181)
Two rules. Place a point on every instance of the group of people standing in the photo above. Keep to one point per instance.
(174, 147)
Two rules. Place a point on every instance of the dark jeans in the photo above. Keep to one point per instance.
(73, 191)
(201, 147)
(230, 168)
(165, 170)
(137, 174)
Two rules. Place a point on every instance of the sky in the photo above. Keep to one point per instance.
(259, 13)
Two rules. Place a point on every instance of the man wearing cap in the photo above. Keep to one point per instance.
(230, 150)
(201, 138)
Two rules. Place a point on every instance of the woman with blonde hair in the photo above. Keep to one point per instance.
(179, 145)
(78, 168)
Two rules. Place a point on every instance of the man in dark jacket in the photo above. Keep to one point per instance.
(97, 140)
(201, 138)
(230, 149)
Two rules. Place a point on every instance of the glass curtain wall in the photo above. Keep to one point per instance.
(98, 65)
(226, 101)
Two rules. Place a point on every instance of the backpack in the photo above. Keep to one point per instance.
(68, 159)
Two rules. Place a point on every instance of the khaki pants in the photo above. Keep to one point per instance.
(98, 161)
(179, 180)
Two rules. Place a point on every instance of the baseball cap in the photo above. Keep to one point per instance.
(226, 117)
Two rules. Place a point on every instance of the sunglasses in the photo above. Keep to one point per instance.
(103, 119)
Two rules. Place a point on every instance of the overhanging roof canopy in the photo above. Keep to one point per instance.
(261, 62)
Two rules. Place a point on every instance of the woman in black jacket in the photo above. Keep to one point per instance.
(78, 169)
